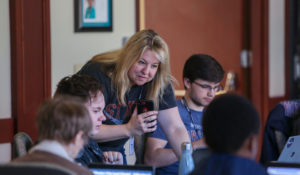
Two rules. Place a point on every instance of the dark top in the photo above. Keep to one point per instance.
(46, 157)
(227, 164)
(280, 119)
(116, 113)
(90, 153)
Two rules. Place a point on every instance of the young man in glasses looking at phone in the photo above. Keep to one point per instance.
(202, 75)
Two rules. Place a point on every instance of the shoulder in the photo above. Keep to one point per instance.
(46, 157)
(91, 67)
(168, 99)
(237, 164)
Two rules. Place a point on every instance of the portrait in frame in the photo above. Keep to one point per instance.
(93, 15)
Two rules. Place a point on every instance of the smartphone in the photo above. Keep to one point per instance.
(145, 106)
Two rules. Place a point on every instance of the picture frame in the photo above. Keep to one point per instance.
(93, 15)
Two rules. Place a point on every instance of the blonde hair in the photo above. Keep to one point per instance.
(116, 65)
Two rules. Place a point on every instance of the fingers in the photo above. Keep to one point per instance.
(112, 157)
(150, 126)
(142, 123)
(149, 114)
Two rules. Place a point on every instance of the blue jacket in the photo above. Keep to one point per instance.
(90, 153)
(227, 164)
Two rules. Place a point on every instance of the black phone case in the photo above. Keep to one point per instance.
(145, 106)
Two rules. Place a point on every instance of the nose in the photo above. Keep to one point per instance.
(102, 117)
(211, 92)
(146, 70)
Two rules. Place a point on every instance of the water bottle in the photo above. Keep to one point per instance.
(186, 164)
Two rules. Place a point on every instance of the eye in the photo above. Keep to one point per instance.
(96, 110)
(154, 66)
(218, 88)
(206, 87)
(141, 62)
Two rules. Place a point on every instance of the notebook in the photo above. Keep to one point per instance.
(103, 169)
(291, 150)
(280, 168)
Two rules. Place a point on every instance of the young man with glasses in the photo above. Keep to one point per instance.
(202, 75)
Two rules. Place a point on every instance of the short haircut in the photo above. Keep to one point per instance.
(81, 86)
(61, 119)
(204, 67)
(228, 121)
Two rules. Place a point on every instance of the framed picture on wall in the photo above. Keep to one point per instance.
(93, 15)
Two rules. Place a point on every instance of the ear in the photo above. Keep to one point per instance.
(187, 83)
(249, 148)
(76, 144)
(78, 140)
(252, 146)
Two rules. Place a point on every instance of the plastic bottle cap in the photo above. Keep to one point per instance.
(186, 146)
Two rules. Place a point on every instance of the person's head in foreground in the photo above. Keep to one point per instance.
(89, 91)
(66, 121)
(231, 125)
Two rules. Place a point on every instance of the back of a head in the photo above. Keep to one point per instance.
(204, 67)
(62, 118)
(228, 121)
(84, 87)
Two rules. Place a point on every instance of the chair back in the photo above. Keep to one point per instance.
(31, 168)
(21, 144)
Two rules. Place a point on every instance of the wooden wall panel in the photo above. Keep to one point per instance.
(30, 61)
(7, 131)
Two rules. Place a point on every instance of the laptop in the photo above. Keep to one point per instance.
(280, 168)
(291, 150)
(103, 169)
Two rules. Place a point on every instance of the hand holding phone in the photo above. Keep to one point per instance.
(145, 106)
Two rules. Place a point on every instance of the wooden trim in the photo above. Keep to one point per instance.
(256, 46)
(30, 61)
(287, 48)
(7, 130)
(258, 62)
(142, 22)
(137, 15)
(47, 50)
(270, 102)
(266, 61)
(16, 34)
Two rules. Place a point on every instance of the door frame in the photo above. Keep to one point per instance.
(30, 50)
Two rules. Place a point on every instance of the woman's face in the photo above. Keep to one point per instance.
(144, 69)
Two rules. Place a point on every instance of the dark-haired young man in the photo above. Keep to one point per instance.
(89, 91)
(231, 129)
(202, 75)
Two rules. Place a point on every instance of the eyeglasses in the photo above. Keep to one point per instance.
(208, 87)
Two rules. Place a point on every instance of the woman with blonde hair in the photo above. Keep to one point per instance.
(140, 70)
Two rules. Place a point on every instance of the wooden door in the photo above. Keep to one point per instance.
(200, 26)
(222, 29)
(219, 28)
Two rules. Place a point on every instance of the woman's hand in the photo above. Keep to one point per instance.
(142, 123)
(112, 157)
